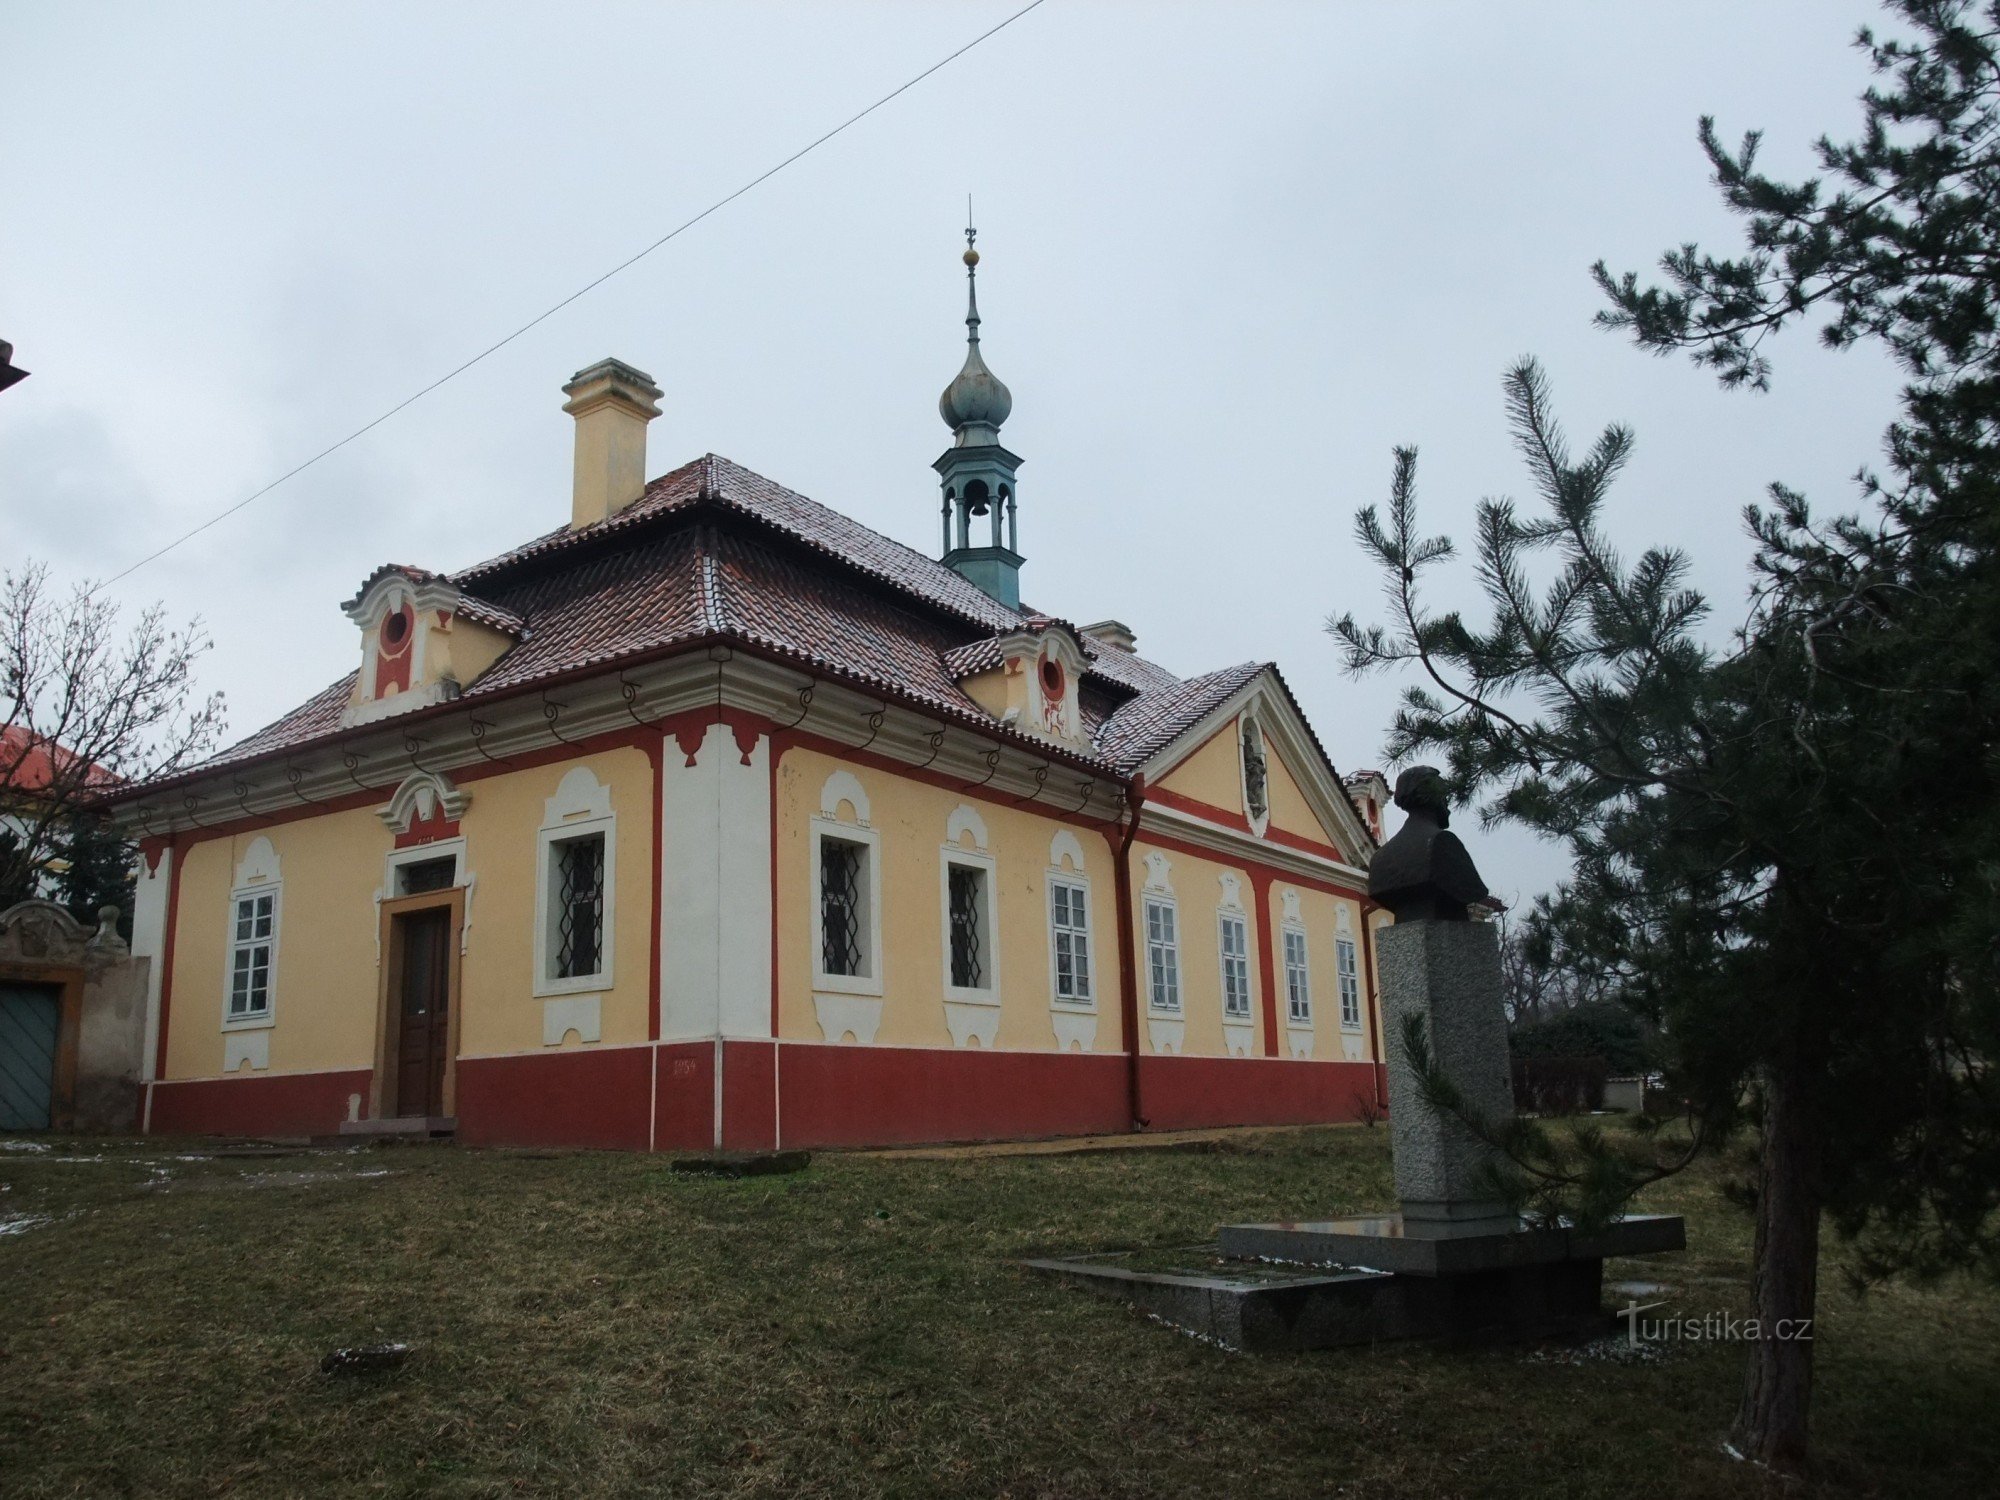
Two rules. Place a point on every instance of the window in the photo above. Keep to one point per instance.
(1069, 921)
(966, 899)
(1235, 966)
(1163, 955)
(576, 888)
(423, 875)
(843, 926)
(252, 945)
(1350, 982)
(1298, 986)
(576, 880)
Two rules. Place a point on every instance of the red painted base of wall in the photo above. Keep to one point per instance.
(587, 1098)
(878, 1096)
(1190, 1093)
(797, 1094)
(685, 1078)
(291, 1104)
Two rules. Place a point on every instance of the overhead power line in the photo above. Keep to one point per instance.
(587, 287)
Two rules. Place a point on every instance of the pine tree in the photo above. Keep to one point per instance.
(1785, 850)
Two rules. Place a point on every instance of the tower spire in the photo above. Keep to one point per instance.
(976, 471)
(971, 276)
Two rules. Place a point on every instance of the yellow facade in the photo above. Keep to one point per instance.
(1289, 809)
(1199, 893)
(1213, 773)
(324, 990)
(911, 819)
(331, 869)
(1323, 918)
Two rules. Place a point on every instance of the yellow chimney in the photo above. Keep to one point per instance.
(612, 403)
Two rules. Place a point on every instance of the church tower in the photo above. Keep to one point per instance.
(976, 473)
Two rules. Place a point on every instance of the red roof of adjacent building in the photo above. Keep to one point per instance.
(30, 763)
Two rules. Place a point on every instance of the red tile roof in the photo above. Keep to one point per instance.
(31, 763)
(713, 551)
(1149, 723)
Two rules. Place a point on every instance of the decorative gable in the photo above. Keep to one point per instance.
(422, 642)
(1029, 679)
(1252, 763)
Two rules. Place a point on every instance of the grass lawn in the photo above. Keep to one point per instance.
(594, 1324)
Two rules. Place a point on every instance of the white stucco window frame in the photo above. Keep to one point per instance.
(870, 841)
(1081, 884)
(1344, 941)
(580, 807)
(987, 992)
(1223, 918)
(257, 874)
(1287, 932)
(423, 854)
(1168, 903)
(266, 1018)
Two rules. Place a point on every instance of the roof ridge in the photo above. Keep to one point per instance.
(985, 616)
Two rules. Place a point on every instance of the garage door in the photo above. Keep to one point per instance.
(29, 1016)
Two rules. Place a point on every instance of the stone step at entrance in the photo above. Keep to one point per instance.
(410, 1128)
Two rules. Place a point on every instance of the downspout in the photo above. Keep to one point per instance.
(1128, 965)
(1373, 996)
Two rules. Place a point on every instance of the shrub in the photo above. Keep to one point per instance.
(1559, 1085)
(1600, 1029)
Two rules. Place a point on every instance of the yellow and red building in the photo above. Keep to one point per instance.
(714, 818)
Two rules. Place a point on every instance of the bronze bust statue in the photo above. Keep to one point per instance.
(1424, 873)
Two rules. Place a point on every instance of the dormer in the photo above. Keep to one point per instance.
(423, 641)
(1369, 792)
(1029, 680)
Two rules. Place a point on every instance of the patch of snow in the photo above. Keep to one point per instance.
(24, 1145)
(1199, 1338)
(20, 1223)
(1614, 1350)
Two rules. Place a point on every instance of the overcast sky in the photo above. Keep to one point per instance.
(1232, 254)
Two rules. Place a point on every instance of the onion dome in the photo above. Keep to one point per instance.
(976, 397)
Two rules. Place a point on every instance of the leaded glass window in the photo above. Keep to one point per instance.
(966, 898)
(579, 906)
(1163, 956)
(840, 876)
(1235, 966)
(253, 936)
(1070, 923)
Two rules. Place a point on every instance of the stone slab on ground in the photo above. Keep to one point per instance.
(410, 1128)
(1389, 1242)
(1259, 1309)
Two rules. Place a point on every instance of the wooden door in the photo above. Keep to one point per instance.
(423, 1012)
(30, 1023)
